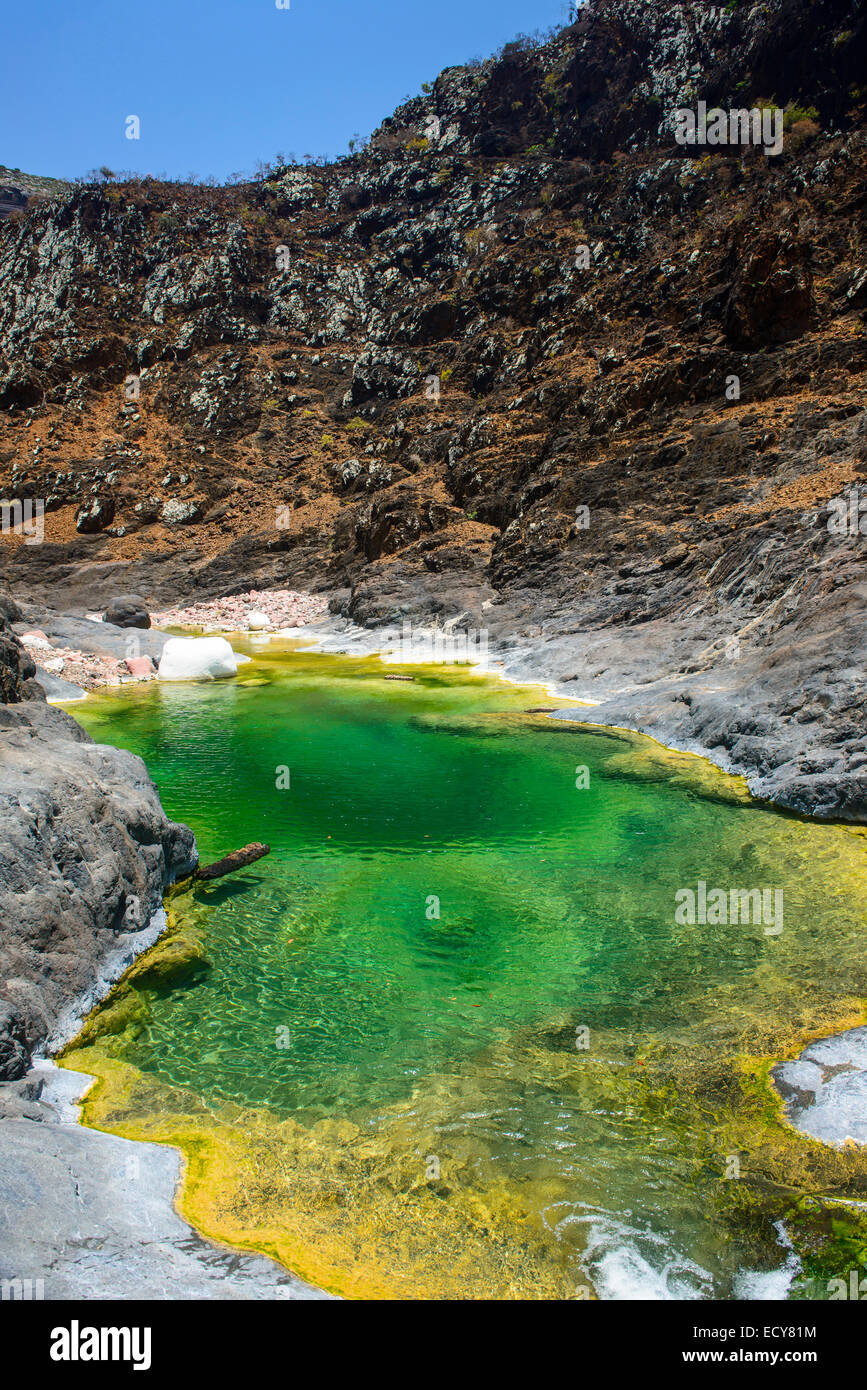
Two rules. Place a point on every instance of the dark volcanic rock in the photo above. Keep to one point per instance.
(95, 516)
(9, 610)
(771, 299)
(16, 667)
(127, 611)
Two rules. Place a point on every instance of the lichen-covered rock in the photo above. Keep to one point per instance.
(180, 512)
(179, 958)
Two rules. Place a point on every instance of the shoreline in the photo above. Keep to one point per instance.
(102, 1220)
(336, 636)
(363, 642)
(525, 667)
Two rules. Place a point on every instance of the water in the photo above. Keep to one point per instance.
(452, 1021)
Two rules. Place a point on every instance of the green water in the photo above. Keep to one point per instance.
(444, 911)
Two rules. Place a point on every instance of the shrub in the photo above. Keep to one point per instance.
(793, 114)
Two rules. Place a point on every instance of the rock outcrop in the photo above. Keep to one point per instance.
(85, 853)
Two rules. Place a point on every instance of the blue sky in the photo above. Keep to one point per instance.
(220, 84)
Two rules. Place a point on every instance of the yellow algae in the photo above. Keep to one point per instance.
(351, 1206)
(486, 1169)
(352, 1214)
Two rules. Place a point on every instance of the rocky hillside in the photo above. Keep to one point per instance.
(524, 360)
(18, 190)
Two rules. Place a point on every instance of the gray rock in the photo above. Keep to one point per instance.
(177, 512)
(92, 1215)
(56, 688)
(825, 1089)
(127, 610)
(85, 854)
(98, 639)
(95, 516)
(9, 609)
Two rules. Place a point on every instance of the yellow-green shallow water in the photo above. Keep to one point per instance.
(453, 1037)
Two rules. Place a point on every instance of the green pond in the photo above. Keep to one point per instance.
(451, 1038)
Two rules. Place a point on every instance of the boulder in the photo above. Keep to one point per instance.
(197, 659)
(258, 622)
(127, 610)
(95, 517)
(9, 610)
(56, 688)
(180, 513)
(139, 666)
(16, 668)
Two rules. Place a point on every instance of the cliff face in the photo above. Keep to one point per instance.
(16, 667)
(85, 852)
(525, 359)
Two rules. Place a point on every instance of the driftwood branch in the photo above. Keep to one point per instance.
(238, 859)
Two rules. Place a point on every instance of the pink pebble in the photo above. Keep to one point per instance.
(139, 665)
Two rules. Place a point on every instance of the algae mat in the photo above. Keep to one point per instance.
(458, 1036)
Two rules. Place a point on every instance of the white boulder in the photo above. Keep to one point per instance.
(258, 622)
(197, 659)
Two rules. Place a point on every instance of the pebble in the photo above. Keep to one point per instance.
(281, 608)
